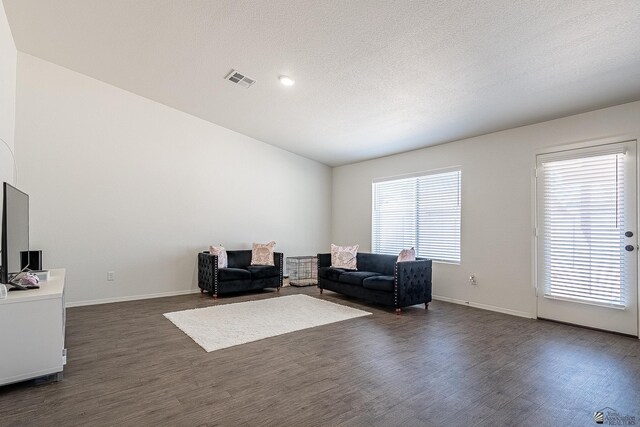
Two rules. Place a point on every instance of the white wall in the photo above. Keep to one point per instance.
(497, 197)
(119, 182)
(8, 57)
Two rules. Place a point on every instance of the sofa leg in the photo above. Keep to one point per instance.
(398, 310)
(201, 291)
(320, 291)
(426, 306)
(278, 289)
(214, 296)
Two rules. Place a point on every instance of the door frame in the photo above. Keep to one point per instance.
(558, 147)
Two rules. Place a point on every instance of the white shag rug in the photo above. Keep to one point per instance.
(222, 326)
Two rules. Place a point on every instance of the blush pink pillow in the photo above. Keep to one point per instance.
(407, 255)
(262, 253)
(344, 256)
(222, 255)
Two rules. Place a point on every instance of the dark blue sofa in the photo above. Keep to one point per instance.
(379, 279)
(240, 275)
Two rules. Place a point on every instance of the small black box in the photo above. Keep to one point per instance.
(31, 258)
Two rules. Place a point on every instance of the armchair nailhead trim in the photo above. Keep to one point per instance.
(318, 272)
(215, 275)
(395, 284)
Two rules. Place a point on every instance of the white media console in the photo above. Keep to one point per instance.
(32, 331)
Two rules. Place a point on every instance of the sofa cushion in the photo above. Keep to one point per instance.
(263, 271)
(330, 273)
(233, 274)
(379, 283)
(356, 277)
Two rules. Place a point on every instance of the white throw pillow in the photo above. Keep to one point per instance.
(222, 255)
(344, 256)
(407, 255)
(262, 253)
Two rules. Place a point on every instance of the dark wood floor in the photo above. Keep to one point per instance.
(451, 365)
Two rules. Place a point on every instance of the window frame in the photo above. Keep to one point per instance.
(418, 175)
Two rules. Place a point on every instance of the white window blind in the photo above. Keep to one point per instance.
(583, 226)
(421, 212)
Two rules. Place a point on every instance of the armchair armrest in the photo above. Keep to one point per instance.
(207, 271)
(278, 261)
(324, 260)
(412, 283)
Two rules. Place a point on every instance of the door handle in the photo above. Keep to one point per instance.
(629, 248)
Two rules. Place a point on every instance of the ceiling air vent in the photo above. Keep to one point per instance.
(240, 79)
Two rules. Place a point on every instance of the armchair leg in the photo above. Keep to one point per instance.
(426, 306)
(201, 291)
(398, 310)
(214, 296)
(320, 291)
(278, 288)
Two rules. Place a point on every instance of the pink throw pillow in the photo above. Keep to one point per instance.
(407, 255)
(222, 255)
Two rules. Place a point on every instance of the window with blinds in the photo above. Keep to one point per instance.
(421, 212)
(583, 225)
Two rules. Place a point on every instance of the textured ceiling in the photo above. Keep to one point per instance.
(373, 77)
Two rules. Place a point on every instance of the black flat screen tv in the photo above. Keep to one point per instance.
(15, 230)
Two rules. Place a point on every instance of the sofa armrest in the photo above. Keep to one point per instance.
(207, 271)
(324, 260)
(412, 283)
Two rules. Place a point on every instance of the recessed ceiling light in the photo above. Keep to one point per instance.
(286, 80)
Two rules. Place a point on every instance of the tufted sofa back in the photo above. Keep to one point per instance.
(239, 259)
(377, 263)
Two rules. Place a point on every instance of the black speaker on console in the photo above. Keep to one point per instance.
(31, 258)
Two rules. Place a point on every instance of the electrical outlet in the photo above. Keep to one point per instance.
(111, 276)
(472, 280)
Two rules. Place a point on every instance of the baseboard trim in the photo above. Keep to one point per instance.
(485, 307)
(130, 298)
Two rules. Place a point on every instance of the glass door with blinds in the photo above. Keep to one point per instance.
(586, 237)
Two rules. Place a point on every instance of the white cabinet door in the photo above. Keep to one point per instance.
(32, 331)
